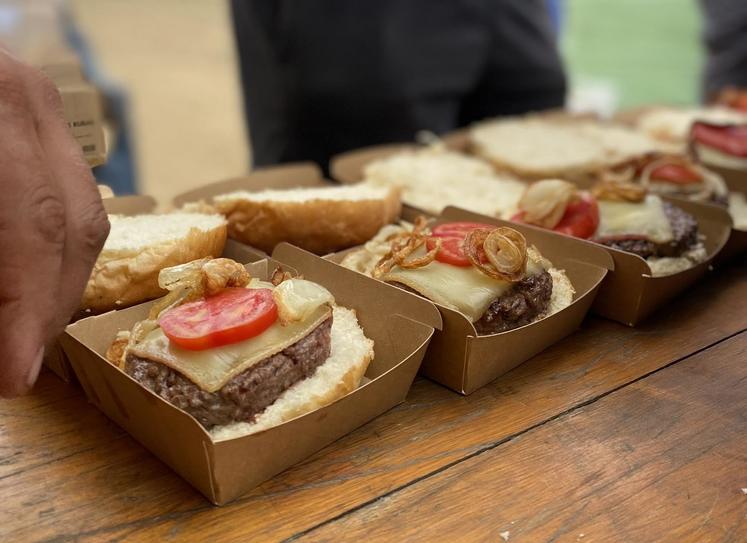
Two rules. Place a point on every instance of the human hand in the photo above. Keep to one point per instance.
(52, 222)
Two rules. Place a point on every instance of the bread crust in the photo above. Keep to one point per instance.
(319, 226)
(124, 278)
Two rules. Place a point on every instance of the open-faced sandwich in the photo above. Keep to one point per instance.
(720, 144)
(617, 214)
(487, 273)
(671, 174)
(139, 247)
(539, 147)
(671, 125)
(319, 219)
(434, 177)
(241, 355)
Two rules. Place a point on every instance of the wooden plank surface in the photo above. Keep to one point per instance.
(664, 459)
(67, 473)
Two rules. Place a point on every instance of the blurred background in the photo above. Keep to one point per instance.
(169, 72)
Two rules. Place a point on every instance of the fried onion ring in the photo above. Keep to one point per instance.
(616, 191)
(505, 249)
(403, 245)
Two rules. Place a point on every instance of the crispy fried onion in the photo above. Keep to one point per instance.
(619, 191)
(544, 202)
(185, 282)
(403, 245)
(504, 248)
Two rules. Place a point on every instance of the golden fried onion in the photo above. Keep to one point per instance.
(617, 191)
(403, 245)
(505, 249)
(544, 202)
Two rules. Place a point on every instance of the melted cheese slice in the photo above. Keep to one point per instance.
(462, 289)
(645, 218)
(211, 369)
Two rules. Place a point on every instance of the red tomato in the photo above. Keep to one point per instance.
(675, 173)
(457, 229)
(232, 315)
(451, 251)
(731, 140)
(580, 220)
(452, 236)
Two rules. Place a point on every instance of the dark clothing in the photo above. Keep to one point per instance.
(725, 36)
(324, 76)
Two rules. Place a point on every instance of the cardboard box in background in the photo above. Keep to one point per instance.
(464, 361)
(400, 324)
(34, 31)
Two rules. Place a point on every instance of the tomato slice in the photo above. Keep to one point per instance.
(452, 236)
(232, 315)
(675, 173)
(580, 220)
(451, 251)
(731, 139)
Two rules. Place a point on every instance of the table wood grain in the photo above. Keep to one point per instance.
(68, 474)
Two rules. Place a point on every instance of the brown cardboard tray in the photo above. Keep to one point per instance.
(630, 293)
(463, 361)
(400, 324)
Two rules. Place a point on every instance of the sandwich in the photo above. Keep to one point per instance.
(720, 145)
(434, 177)
(488, 274)
(671, 126)
(627, 216)
(319, 219)
(241, 355)
(138, 247)
(671, 174)
(540, 147)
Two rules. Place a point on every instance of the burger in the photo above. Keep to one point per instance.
(617, 214)
(671, 174)
(239, 354)
(488, 274)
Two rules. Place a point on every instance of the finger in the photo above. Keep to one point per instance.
(87, 223)
(32, 237)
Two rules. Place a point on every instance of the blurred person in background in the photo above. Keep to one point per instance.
(326, 76)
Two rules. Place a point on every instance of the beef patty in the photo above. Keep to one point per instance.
(246, 395)
(524, 302)
(520, 305)
(685, 236)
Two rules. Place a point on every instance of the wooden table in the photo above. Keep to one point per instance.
(614, 434)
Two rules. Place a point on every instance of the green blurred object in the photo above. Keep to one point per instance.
(644, 51)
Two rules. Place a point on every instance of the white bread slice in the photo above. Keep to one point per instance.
(672, 125)
(562, 292)
(138, 247)
(351, 353)
(434, 177)
(319, 219)
(538, 147)
(670, 265)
